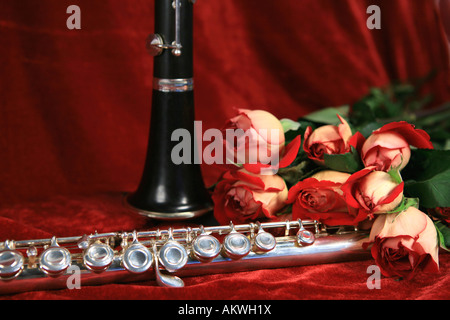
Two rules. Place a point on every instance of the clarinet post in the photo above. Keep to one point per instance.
(169, 191)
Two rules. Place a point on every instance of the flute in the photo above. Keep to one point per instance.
(169, 254)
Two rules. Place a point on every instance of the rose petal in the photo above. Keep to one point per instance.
(415, 137)
(410, 223)
(393, 194)
(389, 140)
(357, 141)
(347, 187)
(244, 177)
(306, 136)
(324, 134)
(263, 120)
(330, 175)
(344, 130)
(290, 153)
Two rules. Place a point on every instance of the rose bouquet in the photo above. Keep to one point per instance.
(381, 164)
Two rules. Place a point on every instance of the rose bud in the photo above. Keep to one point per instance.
(321, 198)
(386, 150)
(328, 139)
(253, 136)
(389, 146)
(403, 243)
(241, 196)
(373, 191)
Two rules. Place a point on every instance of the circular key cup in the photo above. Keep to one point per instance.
(137, 258)
(264, 242)
(236, 246)
(98, 257)
(173, 256)
(205, 248)
(305, 237)
(11, 264)
(55, 260)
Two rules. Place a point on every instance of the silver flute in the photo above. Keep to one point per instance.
(169, 254)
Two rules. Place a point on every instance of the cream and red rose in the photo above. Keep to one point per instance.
(261, 134)
(254, 139)
(386, 150)
(404, 243)
(389, 146)
(321, 198)
(373, 191)
(328, 139)
(241, 196)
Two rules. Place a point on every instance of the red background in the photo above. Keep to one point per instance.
(75, 110)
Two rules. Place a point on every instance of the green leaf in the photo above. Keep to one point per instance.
(443, 234)
(349, 162)
(447, 145)
(384, 104)
(428, 177)
(292, 133)
(296, 173)
(328, 115)
(289, 125)
(367, 129)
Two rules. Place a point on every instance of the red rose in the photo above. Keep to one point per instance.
(389, 146)
(241, 196)
(403, 243)
(328, 139)
(321, 198)
(373, 191)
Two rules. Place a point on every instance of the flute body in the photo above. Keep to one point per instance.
(287, 252)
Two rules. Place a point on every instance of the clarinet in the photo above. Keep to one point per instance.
(169, 191)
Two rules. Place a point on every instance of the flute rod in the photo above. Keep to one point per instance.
(158, 233)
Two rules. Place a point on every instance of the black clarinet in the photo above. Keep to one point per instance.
(169, 191)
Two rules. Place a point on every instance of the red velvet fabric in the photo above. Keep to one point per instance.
(75, 108)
